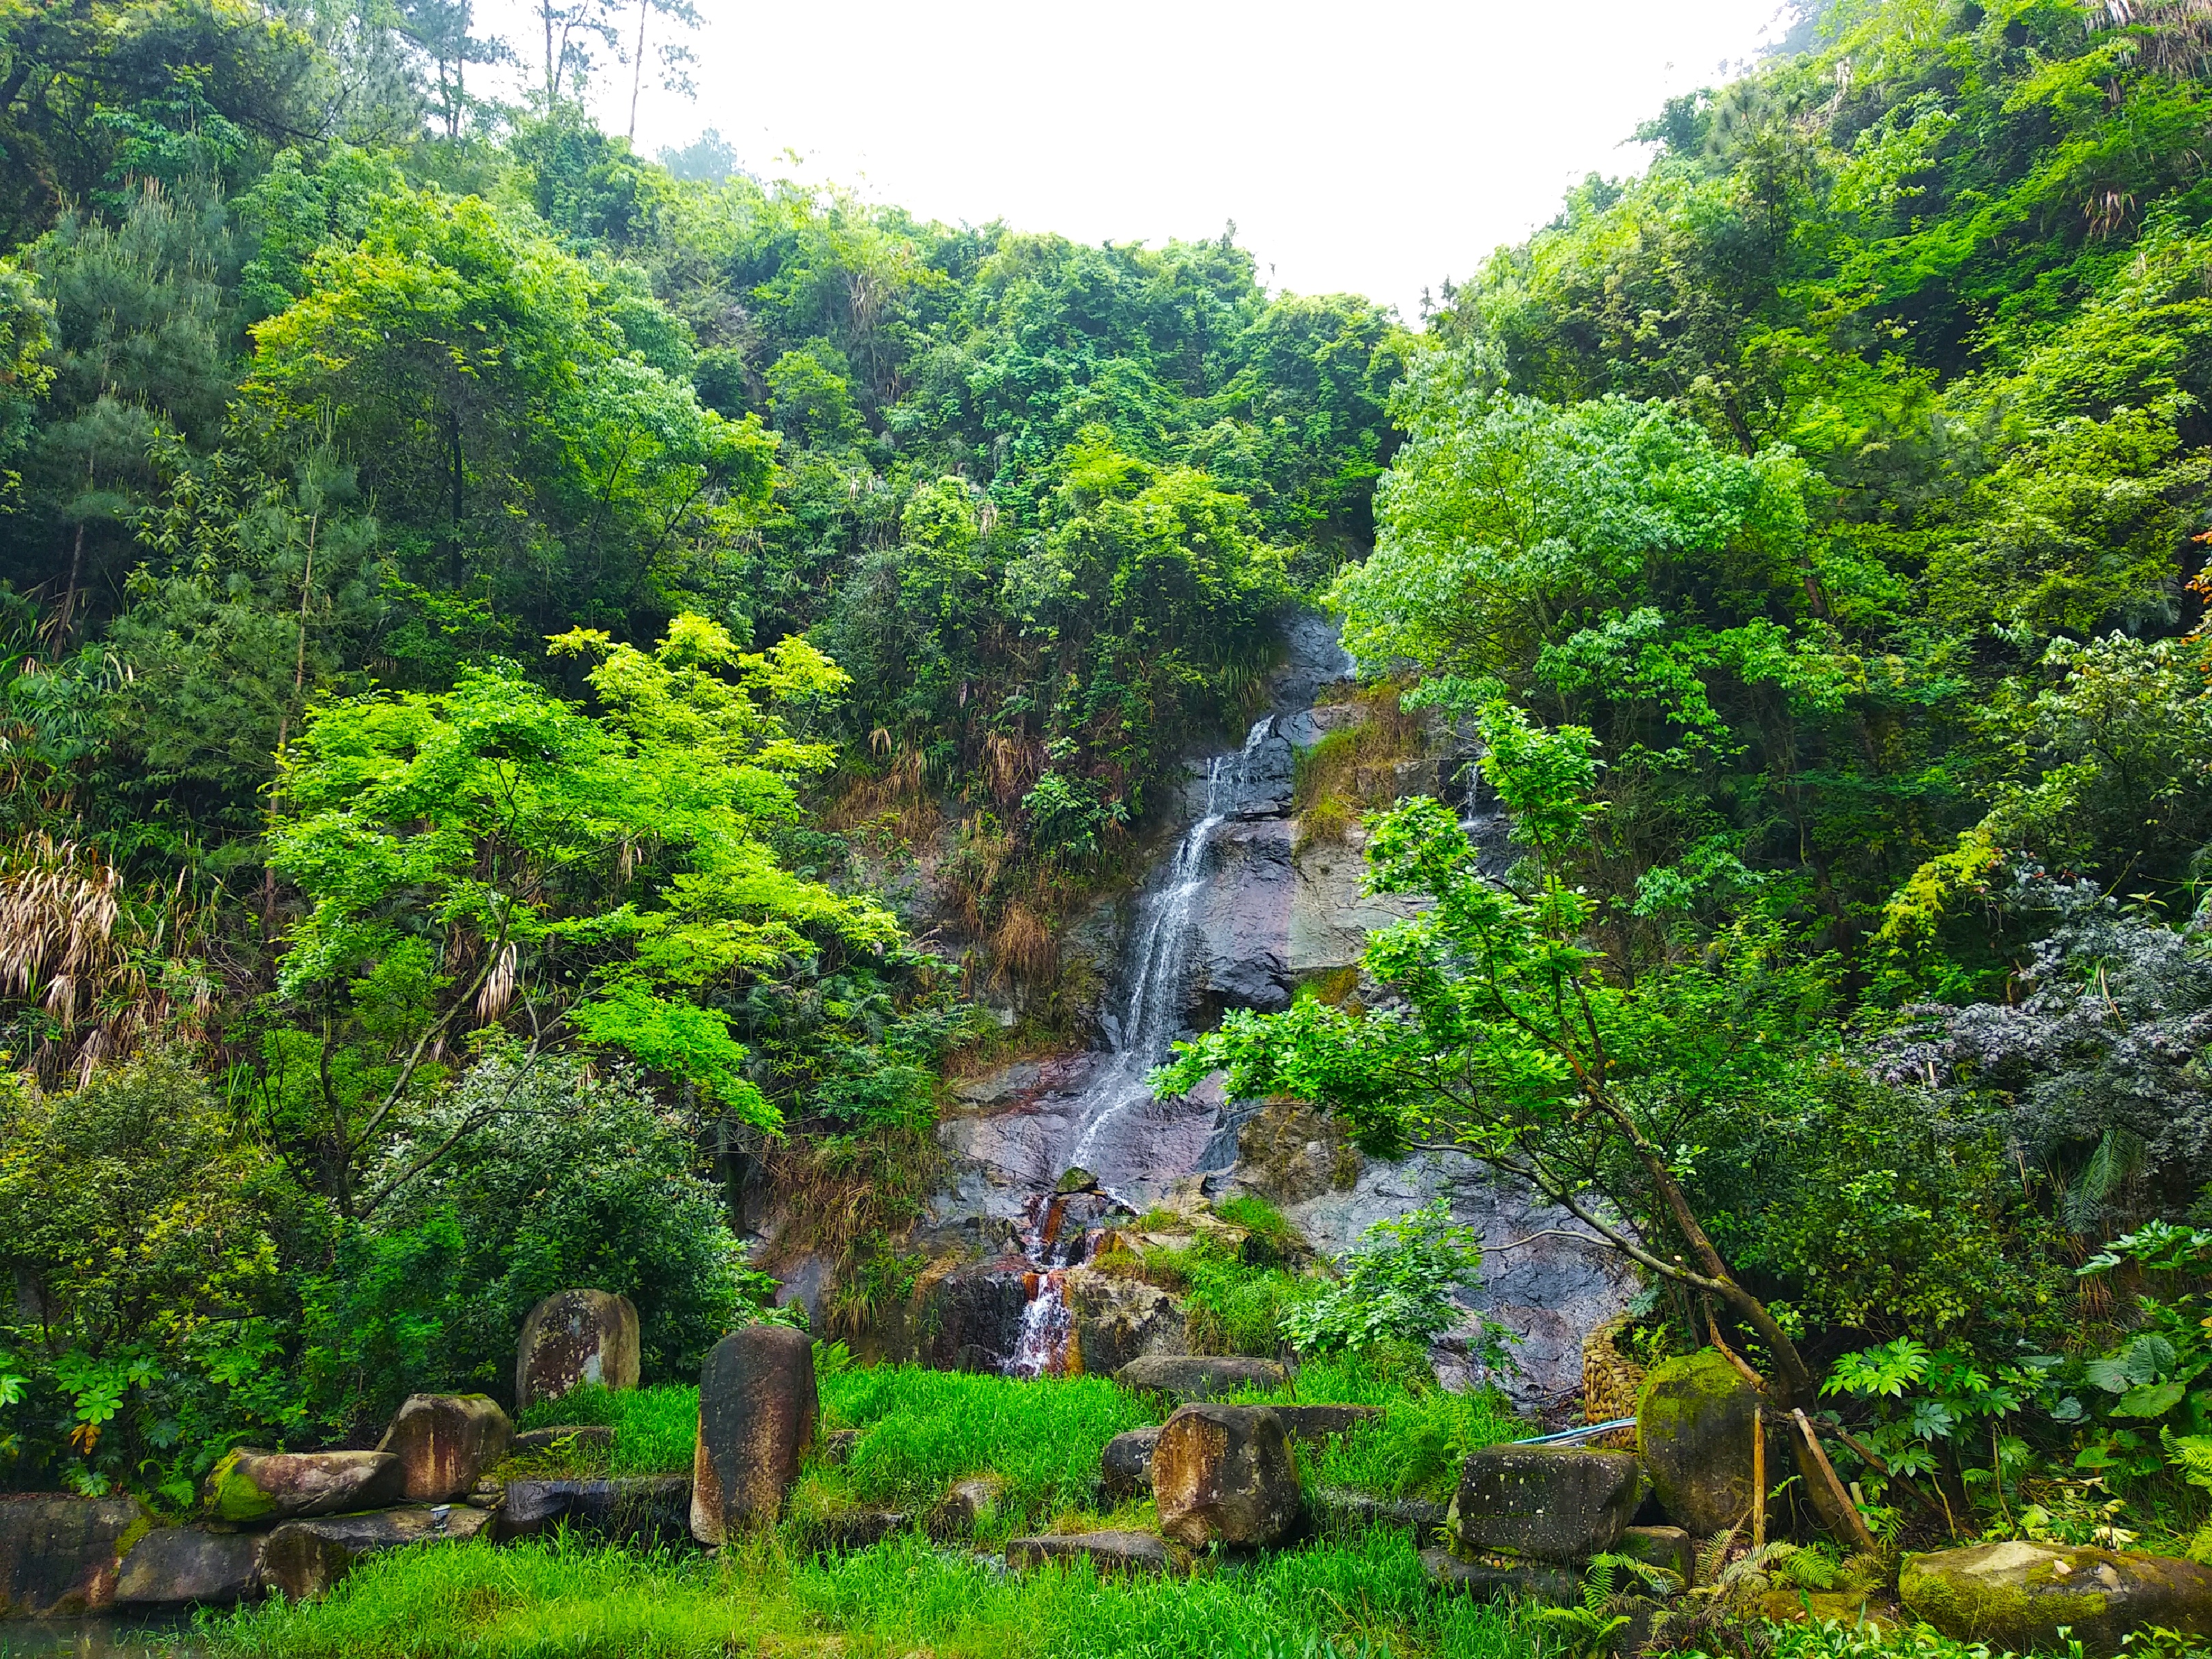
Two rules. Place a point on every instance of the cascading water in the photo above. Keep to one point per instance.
(1158, 972)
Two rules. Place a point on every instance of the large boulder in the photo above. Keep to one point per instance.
(59, 1555)
(1552, 1502)
(572, 1336)
(1125, 1467)
(189, 1566)
(302, 1559)
(1694, 1420)
(757, 1410)
(250, 1487)
(1199, 1376)
(1225, 1474)
(444, 1441)
(1108, 1552)
(636, 1507)
(2017, 1595)
(1113, 1320)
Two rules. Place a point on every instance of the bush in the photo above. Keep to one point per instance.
(140, 1234)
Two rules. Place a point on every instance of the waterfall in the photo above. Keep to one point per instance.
(1158, 972)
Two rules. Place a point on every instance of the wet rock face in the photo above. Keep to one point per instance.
(572, 1336)
(1116, 1320)
(2016, 1596)
(1551, 1291)
(250, 1487)
(444, 1441)
(1550, 1503)
(758, 1412)
(58, 1555)
(1694, 1418)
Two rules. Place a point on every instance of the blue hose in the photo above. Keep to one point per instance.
(1577, 1434)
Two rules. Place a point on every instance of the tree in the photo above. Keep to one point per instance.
(491, 859)
(1504, 1040)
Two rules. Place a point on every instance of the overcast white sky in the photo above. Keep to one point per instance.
(1377, 148)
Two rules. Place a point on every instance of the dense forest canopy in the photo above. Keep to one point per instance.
(479, 606)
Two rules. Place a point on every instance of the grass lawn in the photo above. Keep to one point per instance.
(920, 1430)
(901, 1597)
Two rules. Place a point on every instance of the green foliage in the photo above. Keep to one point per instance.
(1400, 1283)
(655, 1428)
(425, 792)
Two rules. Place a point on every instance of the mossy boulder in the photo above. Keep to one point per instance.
(249, 1487)
(1694, 1424)
(2017, 1595)
(574, 1337)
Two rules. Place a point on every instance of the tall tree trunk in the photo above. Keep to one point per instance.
(637, 68)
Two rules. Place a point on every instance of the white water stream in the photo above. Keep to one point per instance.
(1158, 972)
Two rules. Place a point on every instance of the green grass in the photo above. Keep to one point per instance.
(654, 1428)
(1426, 1433)
(541, 1600)
(923, 1430)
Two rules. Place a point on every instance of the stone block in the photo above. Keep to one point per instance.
(303, 1559)
(444, 1441)
(624, 1509)
(1225, 1474)
(1125, 1467)
(758, 1412)
(1200, 1377)
(1552, 1502)
(59, 1555)
(1109, 1552)
(1671, 1547)
(2017, 1595)
(1310, 1426)
(251, 1488)
(970, 1505)
(1557, 1585)
(1339, 1509)
(1693, 1429)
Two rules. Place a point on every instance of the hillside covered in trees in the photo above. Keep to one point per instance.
(481, 610)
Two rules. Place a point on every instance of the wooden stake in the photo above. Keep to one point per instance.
(1854, 1522)
(1758, 1478)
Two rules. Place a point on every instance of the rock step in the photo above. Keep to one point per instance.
(1200, 1377)
(643, 1508)
(1110, 1552)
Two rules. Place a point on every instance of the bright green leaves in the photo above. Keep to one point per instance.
(602, 876)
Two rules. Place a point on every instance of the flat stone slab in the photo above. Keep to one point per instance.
(1309, 1426)
(304, 1560)
(854, 1529)
(1486, 1579)
(1340, 1509)
(646, 1508)
(1110, 1552)
(1189, 1378)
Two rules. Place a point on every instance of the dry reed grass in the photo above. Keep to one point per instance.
(104, 969)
